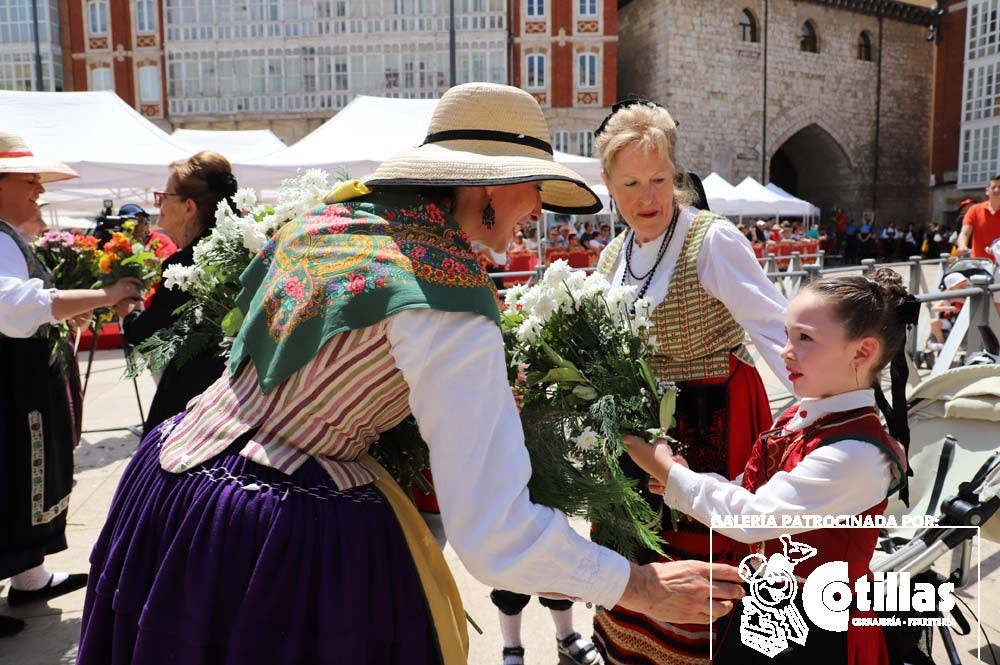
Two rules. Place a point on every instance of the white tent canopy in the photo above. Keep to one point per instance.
(722, 197)
(763, 202)
(236, 145)
(100, 136)
(121, 155)
(807, 209)
(363, 134)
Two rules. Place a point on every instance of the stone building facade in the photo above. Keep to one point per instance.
(830, 100)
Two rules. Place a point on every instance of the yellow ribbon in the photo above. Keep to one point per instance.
(440, 590)
(346, 190)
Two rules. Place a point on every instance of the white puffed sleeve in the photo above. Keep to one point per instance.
(455, 368)
(25, 304)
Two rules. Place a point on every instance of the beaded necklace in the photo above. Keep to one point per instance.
(648, 277)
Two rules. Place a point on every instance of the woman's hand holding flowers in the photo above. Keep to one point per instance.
(124, 294)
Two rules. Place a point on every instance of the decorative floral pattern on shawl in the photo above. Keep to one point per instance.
(351, 264)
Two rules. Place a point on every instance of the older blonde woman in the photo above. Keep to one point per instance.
(709, 292)
(39, 421)
(254, 529)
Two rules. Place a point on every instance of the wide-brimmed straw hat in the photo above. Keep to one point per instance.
(489, 134)
(16, 157)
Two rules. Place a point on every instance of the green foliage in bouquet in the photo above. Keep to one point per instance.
(583, 381)
(210, 319)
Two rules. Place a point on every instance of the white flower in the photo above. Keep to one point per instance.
(643, 318)
(588, 440)
(545, 306)
(222, 213)
(199, 315)
(179, 276)
(513, 295)
(556, 273)
(619, 298)
(529, 329)
(317, 180)
(594, 284)
(575, 282)
(245, 199)
(254, 240)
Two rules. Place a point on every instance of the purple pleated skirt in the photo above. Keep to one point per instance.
(237, 563)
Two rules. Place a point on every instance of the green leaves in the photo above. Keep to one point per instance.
(563, 375)
(668, 404)
(232, 321)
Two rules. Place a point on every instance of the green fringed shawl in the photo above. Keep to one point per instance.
(349, 265)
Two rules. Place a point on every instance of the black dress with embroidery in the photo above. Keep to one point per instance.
(39, 427)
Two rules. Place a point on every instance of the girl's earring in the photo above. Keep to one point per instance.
(489, 214)
(856, 381)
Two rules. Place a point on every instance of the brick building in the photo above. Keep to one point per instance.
(830, 99)
(565, 53)
(117, 45)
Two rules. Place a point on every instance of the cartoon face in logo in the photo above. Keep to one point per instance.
(770, 619)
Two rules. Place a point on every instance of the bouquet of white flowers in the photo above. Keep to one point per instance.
(210, 319)
(578, 349)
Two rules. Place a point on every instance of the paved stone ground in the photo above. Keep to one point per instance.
(53, 628)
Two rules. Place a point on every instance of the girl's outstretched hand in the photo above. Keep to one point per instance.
(655, 459)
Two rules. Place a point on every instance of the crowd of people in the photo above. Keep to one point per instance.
(251, 524)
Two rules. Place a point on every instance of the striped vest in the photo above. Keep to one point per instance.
(695, 333)
(332, 409)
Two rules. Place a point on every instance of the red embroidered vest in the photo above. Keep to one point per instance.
(776, 450)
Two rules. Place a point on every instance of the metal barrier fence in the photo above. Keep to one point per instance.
(979, 297)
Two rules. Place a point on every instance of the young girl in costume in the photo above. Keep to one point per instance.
(826, 455)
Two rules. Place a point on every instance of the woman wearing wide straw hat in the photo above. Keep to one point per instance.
(39, 421)
(254, 528)
(709, 292)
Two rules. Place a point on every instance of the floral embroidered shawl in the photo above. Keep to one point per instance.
(348, 265)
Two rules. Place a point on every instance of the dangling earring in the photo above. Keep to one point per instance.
(856, 381)
(489, 214)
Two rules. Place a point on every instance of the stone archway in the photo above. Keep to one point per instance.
(812, 165)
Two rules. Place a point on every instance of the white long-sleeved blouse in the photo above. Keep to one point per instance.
(25, 303)
(842, 478)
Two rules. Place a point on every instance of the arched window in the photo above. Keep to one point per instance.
(748, 26)
(865, 46)
(808, 39)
